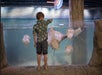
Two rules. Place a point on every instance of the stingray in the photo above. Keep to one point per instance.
(54, 38)
(69, 49)
(26, 39)
(73, 32)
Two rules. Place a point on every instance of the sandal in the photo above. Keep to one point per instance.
(38, 68)
(45, 67)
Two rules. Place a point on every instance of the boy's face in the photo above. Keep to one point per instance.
(41, 18)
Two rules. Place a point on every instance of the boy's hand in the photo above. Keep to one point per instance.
(51, 20)
(34, 44)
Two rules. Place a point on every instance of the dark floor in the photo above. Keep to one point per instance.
(52, 70)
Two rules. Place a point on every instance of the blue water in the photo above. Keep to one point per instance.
(20, 54)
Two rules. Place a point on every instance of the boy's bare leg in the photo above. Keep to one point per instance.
(45, 61)
(39, 61)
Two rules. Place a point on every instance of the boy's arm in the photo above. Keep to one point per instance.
(49, 21)
(35, 40)
(35, 37)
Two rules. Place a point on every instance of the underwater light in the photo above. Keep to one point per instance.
(61, 24)
(57, 3)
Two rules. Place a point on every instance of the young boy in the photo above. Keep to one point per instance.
(40, 38)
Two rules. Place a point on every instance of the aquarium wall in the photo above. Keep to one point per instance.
(19, 21)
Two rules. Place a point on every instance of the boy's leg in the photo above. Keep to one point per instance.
(45, 52)
(38, 51)
(38, 61)
(45, 61)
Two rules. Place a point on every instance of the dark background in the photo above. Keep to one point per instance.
(87, 3)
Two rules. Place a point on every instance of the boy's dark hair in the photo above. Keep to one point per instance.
(39, 15)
